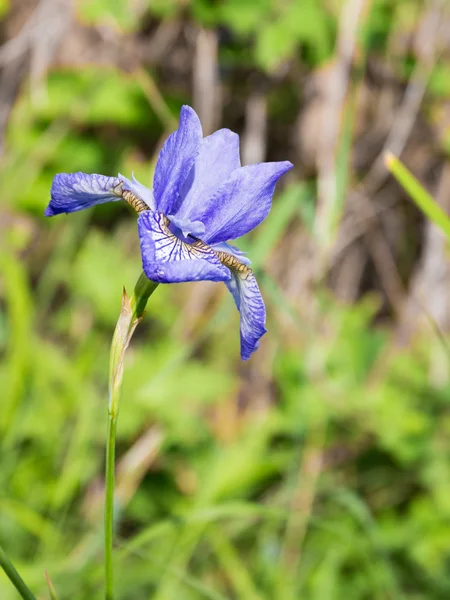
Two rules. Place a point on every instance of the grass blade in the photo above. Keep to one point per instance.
(421, 197)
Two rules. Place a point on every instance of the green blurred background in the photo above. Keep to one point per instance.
(320, 469)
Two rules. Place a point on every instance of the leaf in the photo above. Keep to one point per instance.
(421, 197)
(296, 23)
(120, 14)
(4, 7)
(244, 16)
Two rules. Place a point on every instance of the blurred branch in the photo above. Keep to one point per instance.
(302, 502)
(254, 139)
(403, 121)
(429, 44)
(131, 469)
(336, 91)
(51, 587)
(161, 41)
(155, 98)
(39, 37)
(206, 84)
(234, 568)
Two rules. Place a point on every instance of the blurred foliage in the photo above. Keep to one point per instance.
(337, 487)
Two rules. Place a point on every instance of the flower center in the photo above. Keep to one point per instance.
(186, 228)
(192, 229)
(230, 261)
(132, 199)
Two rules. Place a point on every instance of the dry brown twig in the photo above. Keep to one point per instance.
(363, 220)
(31, 52)
(254, 139)
(432, 28)
(336, 92)
(206, 84)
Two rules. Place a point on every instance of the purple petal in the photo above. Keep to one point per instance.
(74, 191)
(217, 159)
(176, 159)
(167, 259)
(242, 202)
(187, 227)
(250, 304)
(140, 190)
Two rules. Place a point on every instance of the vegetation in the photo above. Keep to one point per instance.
(319, 469)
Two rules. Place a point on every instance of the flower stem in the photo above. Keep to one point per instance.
(14, 576)
(132, 312)
(109, 505)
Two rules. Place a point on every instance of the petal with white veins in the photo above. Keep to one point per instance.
(75, 191)
(168, 259)
(250, 305)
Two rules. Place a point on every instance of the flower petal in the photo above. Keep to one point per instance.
(217, 159)
(251, 307)
(187, 227)
(176, 159)
(74, 191)
(242, 202)
(140, 190)
(167, 259)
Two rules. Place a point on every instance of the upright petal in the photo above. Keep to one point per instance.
(176, 160)
(242, 202)
(251, 307)
(74, 191)
(217, 159)
(167, 259)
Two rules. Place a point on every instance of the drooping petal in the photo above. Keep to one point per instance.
(168, 259)
(251, 307)
(176, 160)
(242, 202)
(140, 190)
(74, 191)
(217, 159)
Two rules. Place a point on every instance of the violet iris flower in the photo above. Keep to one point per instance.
(201, 199)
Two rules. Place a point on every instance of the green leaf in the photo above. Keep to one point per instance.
(421, 197)
(4, 7)
(244, 16)
(296, 23)
(165, 8)
(116, 13)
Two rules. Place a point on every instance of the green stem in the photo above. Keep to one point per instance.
(109, 504)
(131, 313)
(14, 576)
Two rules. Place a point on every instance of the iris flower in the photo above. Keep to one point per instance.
(202, 198)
